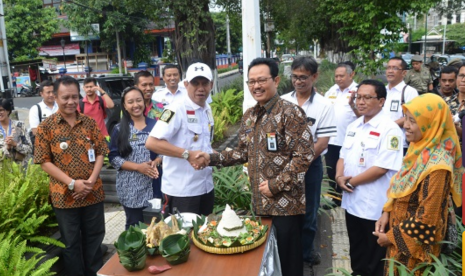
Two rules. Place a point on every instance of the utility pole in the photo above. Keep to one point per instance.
(119, 54)
(4, 51)
(426, 34)
(228, 40)
(251, 42)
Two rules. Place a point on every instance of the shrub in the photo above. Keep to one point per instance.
(226, 110)
(232, 187)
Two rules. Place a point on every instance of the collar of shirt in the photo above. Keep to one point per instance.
(351, 87)
(149, 124)
(59, 118)
(374, 122)
(55, 106)
(269, 105)
(310, 99)
(168, 92)
(398, 87)
(87, 101)
(196, 106)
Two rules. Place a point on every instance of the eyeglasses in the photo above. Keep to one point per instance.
(393, 68)
(259, 81)
(461, 76)
(365, 97)
(299, 78)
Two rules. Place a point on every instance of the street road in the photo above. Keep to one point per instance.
(30, 101)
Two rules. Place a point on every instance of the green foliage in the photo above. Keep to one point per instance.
(232, 187)
(13, 261)
(24, 207)
(131, 249)
(224, 70)
(235, 31)
(227, 111)
(23, 18)
(455, 32)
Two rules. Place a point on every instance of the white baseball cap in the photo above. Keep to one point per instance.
(198, 70)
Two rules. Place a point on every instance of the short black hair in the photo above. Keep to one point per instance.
(307, 63)
(45, 83)
(403, 64)
(380, 89)
(65, 80)
(351, 64)
(7, 104)
(170, 66)
(460, 67)
(271, 63)
(89, 80)
(448, 70)
(141, 74)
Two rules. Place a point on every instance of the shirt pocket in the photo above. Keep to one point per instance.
(371, 147)
(348, 142)
(193, 136)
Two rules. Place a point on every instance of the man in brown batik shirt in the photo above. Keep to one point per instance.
(70, 148)
(277, 144)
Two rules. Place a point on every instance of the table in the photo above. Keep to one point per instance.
(200, 263)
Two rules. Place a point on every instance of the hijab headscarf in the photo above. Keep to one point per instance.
(438, 149)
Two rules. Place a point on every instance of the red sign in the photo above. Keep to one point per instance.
(56, 50)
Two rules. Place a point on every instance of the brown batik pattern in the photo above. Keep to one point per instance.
(418, 222)
(285, 168)
(73, 160)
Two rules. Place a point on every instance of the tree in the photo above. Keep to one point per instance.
(235, 30)
(28, 24)
(456, 32)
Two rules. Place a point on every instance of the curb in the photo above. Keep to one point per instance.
(227, 74)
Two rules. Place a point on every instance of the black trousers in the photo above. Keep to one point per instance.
(133, 216)
(82, 230)
(366, 256)
(289, 239)
(201, 205)
(331, 158)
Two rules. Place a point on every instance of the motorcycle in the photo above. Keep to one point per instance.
(28, 91)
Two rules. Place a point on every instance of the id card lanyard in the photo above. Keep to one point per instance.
(361, 161)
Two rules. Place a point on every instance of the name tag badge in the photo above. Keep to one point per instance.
(91, 155)
(395, 106)
(361, 162)
(191, 117)
(271, 141)
(351, 134)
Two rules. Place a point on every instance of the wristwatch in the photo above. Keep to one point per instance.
(350, 186)
(71, 185)
(185, 154)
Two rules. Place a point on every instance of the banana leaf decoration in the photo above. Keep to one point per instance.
(130, 247)
(175, 248)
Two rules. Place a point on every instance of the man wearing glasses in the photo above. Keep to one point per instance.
(275, 140)
(398, 93)
(320, 119)
(371, 154)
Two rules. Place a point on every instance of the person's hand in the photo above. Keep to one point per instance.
(265, 189)
(382, 239)
(90, 182)
(10, 142)
(156, 162)
(81, 190)
(198, 159)
(380, 225)
(147, 169)
(341, 182)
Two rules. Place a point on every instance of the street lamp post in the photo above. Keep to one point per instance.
(62, 41)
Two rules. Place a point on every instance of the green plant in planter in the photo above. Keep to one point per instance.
(24, 207)
(232, 187)
(13, 261)
(131, 249)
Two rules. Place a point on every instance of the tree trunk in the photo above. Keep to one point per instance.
(194, 34)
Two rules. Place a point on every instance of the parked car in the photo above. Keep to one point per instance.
(287, 58)
(443, 60)
(114, 87)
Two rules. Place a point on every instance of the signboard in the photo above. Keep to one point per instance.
(20, 81)
(56, 50)
(49, 64)
(75, 36)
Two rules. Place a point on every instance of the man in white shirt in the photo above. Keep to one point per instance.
(171, 76)
(320, 118)
(345, 113)
(398, 93)
(48, 106)
(371, 154)
(184, 129)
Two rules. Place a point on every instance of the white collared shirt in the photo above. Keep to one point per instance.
(320, 114)
(342, 111)
(393, 105)
(380, 142)
(165, 96)
(191, 132)
(34, 119)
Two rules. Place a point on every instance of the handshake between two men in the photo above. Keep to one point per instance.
(198, 159)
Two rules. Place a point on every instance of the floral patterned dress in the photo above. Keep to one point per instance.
(23, 150)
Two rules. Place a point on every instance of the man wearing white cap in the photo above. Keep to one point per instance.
(184, 129)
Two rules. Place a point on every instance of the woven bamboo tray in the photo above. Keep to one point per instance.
(228, 250)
